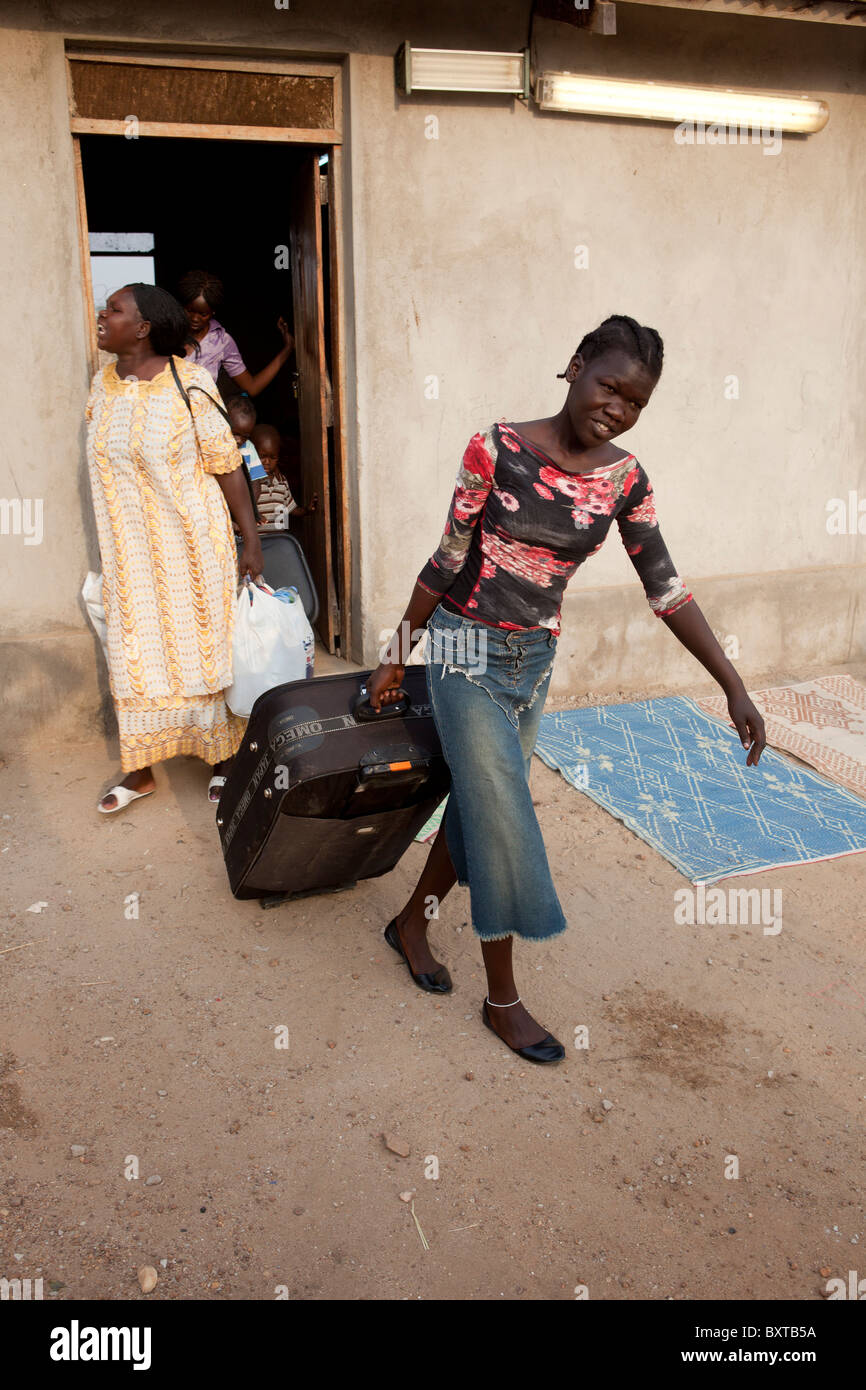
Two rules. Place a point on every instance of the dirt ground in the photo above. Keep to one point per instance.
(151, 1040)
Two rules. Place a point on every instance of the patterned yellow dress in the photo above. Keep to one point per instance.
(168, 562)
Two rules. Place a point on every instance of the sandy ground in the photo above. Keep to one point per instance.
(153, 1040)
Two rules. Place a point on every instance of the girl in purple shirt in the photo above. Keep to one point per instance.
(201, 295)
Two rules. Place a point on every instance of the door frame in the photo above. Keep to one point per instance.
(330, 139)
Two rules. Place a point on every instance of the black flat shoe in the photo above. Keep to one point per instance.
(548, 1050)
(437, 983)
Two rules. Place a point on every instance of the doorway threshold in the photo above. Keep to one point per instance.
(327, 664)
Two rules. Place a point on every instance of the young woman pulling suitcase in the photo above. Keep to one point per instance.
(532, 502)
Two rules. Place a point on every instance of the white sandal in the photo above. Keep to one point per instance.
(215, 784)
(124, 795)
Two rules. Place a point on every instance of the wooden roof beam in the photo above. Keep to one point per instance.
(847, 12)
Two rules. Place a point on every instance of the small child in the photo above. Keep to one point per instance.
(273, 495)
(242, 414)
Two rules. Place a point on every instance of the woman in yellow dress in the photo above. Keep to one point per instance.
(167, 479)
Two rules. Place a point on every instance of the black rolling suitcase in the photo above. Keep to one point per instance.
(323, 791)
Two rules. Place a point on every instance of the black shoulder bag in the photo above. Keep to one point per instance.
(224, 413)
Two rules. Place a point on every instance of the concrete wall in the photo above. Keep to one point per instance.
(52, 666)
(460, 263)
(748, 265)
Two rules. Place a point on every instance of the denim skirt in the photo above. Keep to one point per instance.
(487, 689)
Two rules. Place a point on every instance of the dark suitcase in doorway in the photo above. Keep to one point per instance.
(285, 566)
(323, 791)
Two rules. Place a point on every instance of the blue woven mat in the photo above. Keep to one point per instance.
(679, 780)
(429, 829)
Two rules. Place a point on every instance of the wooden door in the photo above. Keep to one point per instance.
(340, 483)
(309, 331)
(90, 338)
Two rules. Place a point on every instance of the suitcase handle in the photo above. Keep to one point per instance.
(363, 711)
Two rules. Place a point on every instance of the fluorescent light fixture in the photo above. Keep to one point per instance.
(667, 101)
(461, 70)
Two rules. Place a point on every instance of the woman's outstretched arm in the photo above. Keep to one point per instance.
(475, 479)
(388, 675)
(671, 601)
(690, 627)
(254, 384)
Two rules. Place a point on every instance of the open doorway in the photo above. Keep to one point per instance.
(254, 215)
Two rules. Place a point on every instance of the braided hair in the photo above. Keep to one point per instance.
(169, 326)
(619, 333)
(201, 282)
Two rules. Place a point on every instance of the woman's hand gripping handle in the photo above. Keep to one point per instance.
(383, 686)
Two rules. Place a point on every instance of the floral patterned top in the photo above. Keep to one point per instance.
(519, 526)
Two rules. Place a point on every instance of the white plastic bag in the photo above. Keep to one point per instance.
(270, 647)
(304, 634)
(91, 592)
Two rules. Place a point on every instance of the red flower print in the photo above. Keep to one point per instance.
(477, 460)
(510, 503)
(571, 485)
(468, 502)
(600, 487)
(533, 562)
(543, 491)
(581, 518)
(629, 481)
(507, 437)
(644, 512)
(599, 506)
(633, 549)
(488, 569)
(470, 603)
(597, 495)
(549, 476)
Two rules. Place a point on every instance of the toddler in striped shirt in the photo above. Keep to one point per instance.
(272, 493)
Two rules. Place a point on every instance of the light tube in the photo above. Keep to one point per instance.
(668, 101)
(461, 70)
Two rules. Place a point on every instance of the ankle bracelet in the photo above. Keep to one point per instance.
(503, 1006)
